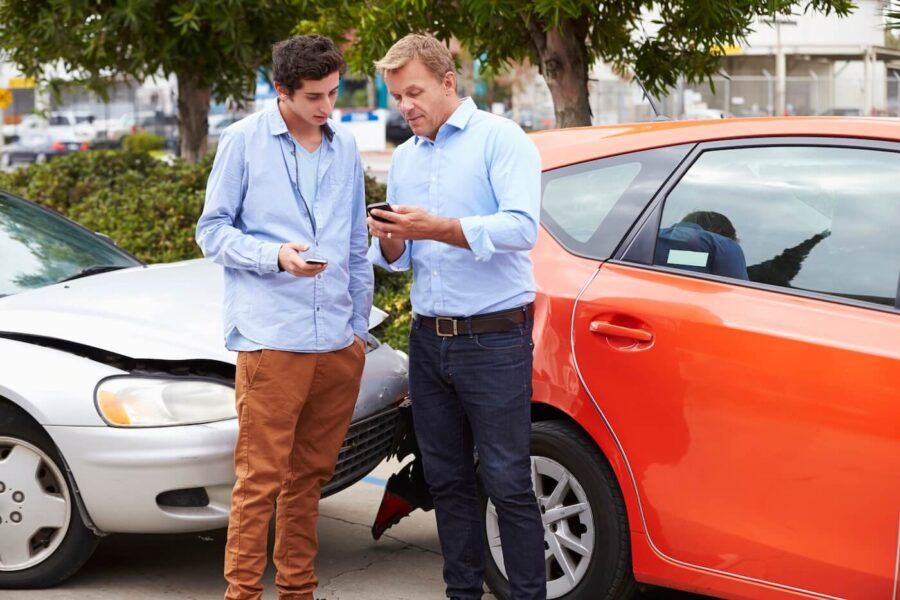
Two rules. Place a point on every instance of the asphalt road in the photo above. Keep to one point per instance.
(404, 565)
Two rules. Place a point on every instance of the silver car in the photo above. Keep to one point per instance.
(117, 397)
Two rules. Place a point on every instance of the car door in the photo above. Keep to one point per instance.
(745, 350)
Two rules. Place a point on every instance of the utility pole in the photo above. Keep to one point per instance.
(780, 66)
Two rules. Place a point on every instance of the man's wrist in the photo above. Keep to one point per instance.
(392, 250)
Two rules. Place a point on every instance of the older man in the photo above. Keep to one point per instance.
(465, 193)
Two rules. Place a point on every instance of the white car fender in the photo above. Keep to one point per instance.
(53, 386)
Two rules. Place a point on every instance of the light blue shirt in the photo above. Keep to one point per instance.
(308, 165)
(253, 205)
(483, 170)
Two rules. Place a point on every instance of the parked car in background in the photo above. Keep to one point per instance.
(842, 112)
(717, 361)
(397, 130)
(155, 122)
(38, 148)
(57, 125)
(705, 113)
(117, 397)
(216, 124)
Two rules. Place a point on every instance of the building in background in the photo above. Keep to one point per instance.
(807, 64)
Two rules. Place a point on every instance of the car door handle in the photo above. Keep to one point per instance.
(608, 329)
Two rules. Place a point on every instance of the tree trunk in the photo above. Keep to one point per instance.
(193, 111)
(564, 65)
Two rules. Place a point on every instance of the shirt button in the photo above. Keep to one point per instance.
(434, 273)
(434, 179)
(317, 309)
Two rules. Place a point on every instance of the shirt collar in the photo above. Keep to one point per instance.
(277, 126)
(460, 117)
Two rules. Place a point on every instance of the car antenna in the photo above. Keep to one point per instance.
(659, 115)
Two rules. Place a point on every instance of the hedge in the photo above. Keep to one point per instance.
(150, 208)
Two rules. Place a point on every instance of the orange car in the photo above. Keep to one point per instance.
(717, 360)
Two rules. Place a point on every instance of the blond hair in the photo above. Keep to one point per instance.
(425, 48)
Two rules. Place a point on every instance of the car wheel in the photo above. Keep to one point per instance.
(586, 539)
(42, 537)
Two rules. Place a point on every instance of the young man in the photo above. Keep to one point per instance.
(285, 215)
(465, 192)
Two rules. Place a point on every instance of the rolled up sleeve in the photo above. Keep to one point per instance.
(515, 174)
(402, 263)
(216, 234)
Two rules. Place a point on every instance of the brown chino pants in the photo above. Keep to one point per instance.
(293, 413)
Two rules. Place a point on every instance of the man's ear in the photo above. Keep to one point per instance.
(282, 91)
(449, 83)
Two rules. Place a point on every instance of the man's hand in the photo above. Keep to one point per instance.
(360, 341)
(289, 260)
(414, 223)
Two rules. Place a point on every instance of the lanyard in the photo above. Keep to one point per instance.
(312, 219)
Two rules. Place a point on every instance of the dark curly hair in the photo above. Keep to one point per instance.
(302, 57)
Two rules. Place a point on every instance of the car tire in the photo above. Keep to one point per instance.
(605, 572)
(25, 445)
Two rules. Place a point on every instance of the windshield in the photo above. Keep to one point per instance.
(38, 247)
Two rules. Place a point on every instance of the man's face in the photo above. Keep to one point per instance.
(313, 101)
(424, 102)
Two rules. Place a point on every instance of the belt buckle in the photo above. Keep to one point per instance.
(453, 328)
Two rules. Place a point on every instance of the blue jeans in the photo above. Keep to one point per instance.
(473, 392)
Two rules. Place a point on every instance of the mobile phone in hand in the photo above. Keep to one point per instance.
(316, 261)
(380, 206)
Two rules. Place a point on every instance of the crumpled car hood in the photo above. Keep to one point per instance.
(164, 312)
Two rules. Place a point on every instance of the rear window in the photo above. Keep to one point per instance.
(589, 207)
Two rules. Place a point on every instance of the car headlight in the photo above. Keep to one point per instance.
(156, 402)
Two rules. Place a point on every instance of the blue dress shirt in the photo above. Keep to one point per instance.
(483, 170)
(718, 254)
(254, 205)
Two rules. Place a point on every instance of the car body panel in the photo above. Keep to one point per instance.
(53, 386)
(774, 423)
(165, 312)
(120, 472)
(563, 147)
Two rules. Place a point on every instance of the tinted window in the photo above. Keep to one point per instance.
(810, 218)
(39, 248)
(589, 207)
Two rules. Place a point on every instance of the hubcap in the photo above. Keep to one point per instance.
(34, 505)
(568, 526)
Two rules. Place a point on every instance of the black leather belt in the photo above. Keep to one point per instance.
(497, 322)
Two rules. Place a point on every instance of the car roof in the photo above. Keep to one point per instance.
(561, 147)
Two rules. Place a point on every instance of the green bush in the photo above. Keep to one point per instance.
(143, 141)
(150, 208)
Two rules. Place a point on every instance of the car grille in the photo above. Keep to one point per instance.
(368, 442)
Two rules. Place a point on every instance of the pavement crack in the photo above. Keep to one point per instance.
(405, 543)
(325, 585)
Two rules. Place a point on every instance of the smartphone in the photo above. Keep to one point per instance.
(316, 261)
(380, 206)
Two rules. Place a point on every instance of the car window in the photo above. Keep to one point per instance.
(40, 248)
(821, 219)
(588, 207)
